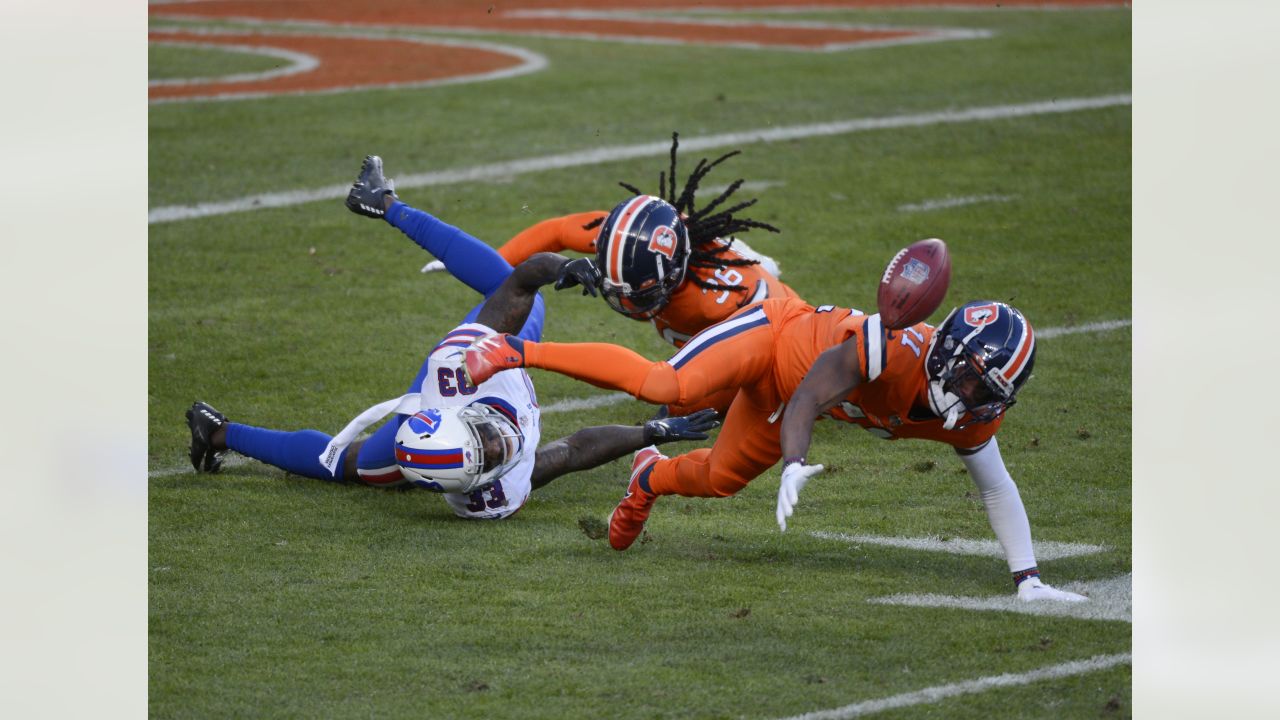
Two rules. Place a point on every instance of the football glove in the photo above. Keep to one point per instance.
(579, 271)
(369, 189)
(1033, 589)
(433, 266)
(794, 477)
(694, 426)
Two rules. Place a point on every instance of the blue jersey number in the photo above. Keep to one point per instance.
(497, 498)
(454, 382)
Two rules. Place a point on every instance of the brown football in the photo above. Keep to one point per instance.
(914, 284)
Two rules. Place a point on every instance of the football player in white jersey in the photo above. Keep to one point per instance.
(476, 444)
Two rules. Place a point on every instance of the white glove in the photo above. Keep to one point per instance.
(1032, 589)
(433, 266)
(794, 477)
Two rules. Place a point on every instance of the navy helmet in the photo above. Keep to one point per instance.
(979, 358)
(642, 252)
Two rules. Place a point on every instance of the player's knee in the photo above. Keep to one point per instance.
(661, 386)
(724, 483)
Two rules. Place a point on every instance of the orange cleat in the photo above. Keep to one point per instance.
(492, 354)
(626, 522)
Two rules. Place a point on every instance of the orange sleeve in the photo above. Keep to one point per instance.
(553, 235)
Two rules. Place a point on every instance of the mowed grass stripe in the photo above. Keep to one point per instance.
(598, 156)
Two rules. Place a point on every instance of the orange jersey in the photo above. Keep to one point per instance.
(891, 400)
(692, 308)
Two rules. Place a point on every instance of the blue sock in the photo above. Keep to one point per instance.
(298, 452)
(465, 257)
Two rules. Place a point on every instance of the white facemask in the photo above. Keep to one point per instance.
(944, 404)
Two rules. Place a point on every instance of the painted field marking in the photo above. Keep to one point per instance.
(951, 202)
(597, 401)
(1109, 599)
(1104, 326)
(977, 685)
(298, 63)
(959, 546)
(327, 74)
(614, 153)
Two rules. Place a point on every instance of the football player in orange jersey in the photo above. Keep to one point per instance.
(793, 362)
(664, 259)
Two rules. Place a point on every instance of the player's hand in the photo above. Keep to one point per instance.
(694, 426)
(579, 271)
(1033, 589)
(794, 477)
(433, 266)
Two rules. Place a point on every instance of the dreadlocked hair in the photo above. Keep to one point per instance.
(705, 227)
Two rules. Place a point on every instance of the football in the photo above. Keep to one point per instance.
(914, 284)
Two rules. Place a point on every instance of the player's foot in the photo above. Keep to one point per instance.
(492, 354)
(626, 522)
(204, 421)
(368, 194)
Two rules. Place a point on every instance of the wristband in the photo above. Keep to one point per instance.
(1031, 572)
(794, 459)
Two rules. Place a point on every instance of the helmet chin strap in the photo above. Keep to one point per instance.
(944, 404)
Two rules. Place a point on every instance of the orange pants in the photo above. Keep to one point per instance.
(739, 353)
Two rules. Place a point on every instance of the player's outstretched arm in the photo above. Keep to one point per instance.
(506, 310)
(833, 375)
(595, 446)
(1008, 518)
(554, 235)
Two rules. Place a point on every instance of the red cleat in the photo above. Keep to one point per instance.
(626, 522)
(492, 354)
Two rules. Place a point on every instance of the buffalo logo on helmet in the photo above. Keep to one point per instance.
(425, 423)
(979, 315)
(663, 240)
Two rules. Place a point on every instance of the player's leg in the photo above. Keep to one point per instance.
(748, 445)
(464, 256)
(730, 354)
(296, 451)
(468, 259)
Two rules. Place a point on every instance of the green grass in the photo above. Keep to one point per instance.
(168, 62)
(273, 595)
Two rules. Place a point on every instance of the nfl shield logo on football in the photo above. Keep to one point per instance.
(915, 271)
(426, 422)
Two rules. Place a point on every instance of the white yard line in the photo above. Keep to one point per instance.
(951, 202)
(1104, 326)
(960, 546)
(614, 153)
(1109, 599)
(968, 687)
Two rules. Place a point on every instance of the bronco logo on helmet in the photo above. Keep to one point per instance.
(663, 241)
(979, 315)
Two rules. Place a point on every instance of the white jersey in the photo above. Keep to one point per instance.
(509, 392)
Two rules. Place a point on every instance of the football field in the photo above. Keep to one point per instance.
(1004, 130)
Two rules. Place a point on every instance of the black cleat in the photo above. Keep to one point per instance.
(366, 196)
(204, 421)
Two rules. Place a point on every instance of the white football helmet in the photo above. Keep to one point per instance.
(458, 449)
